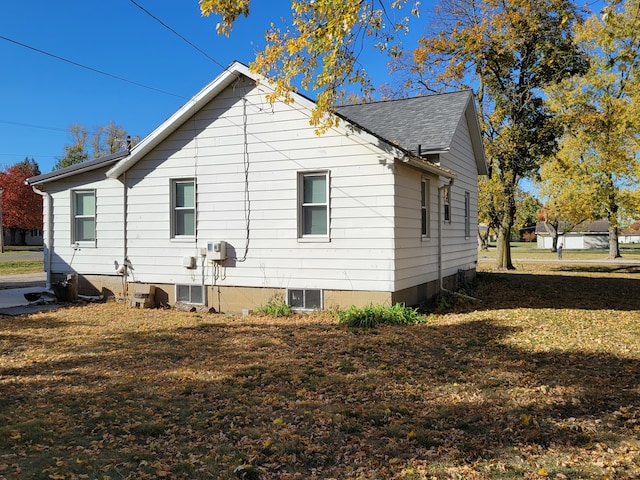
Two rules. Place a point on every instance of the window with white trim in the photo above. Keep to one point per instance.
(313, 205)
(467, 214)
(84, 216)
(304, 299)
(446, 201)
(183, 206)
(425, 193)
(190, 294)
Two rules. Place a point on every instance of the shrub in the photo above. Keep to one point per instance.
(373, 315)
(276, 307)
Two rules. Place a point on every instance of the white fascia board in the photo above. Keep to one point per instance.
(185, 112)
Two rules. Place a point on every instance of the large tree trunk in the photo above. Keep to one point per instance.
(614, 246)
(503, 255)
(612, 217)
(483, 240)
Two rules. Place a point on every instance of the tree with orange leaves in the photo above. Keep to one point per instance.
(21, 207)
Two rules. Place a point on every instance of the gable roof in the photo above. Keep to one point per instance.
(394, 120)
(391, 122)
(94, 164)
(596, 226)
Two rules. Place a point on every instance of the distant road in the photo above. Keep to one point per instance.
(22, 280)
(14, 257)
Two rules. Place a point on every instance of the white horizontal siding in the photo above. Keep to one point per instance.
(280, 144)
(416, 258)
(460, 252)
(95, 258)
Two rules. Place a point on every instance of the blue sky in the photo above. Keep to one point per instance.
(41, 95)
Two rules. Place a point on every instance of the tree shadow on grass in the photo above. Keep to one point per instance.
(522, 290)
(299, 399)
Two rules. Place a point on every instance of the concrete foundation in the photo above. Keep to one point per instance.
(227, 299)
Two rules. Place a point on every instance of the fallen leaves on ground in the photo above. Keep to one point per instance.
(539, 380)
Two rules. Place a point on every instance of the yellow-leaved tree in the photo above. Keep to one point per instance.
(321, 46)
(601, 112)
(506, 51)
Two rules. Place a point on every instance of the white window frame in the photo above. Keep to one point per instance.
(446, 203)
(467, 214)
(302, 207)
(175, 235)
(425, 208)
(191, 291)
(304, 292)
(75, 217)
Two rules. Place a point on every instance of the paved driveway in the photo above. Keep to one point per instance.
(13, 287)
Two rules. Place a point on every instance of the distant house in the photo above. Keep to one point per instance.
(631, 234)
(586, 236)
(233, 200)
(32, 237)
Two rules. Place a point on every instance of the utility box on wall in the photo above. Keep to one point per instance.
(217, 251)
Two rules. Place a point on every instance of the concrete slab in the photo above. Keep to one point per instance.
(27, 309)
(13, 301)
(14, 297)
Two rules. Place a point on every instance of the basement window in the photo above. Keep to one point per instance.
(304, 299)
(193, 294)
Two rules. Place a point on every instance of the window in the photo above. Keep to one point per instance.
(84, 216)
(305, 299)
(467, 214)
(190, 294)
(446, 193)
(424, 201)
(183, 201)
(313, 194)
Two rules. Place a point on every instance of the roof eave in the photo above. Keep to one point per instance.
(476, 136)
(190, 108)
(76, 169)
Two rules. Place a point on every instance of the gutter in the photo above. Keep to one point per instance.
(440, 222)
(49, 202)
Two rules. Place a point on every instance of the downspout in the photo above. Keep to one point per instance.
(46, 197)
(125, 251)
(440, 222)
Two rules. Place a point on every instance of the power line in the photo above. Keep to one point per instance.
(57, 57)
(195, 47)
(20, 124)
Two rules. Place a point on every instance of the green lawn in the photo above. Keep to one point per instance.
(538, 380)
(11, 262)
(528, 250)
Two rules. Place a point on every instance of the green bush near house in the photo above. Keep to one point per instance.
(373, 315)
(276, 307)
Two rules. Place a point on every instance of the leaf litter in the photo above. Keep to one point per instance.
(539, 380)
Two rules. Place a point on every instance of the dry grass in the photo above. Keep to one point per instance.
(539, 380)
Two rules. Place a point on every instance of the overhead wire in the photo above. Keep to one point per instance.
(180, 36)
(86, 67)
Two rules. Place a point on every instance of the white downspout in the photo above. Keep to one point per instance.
(46, 197)
(440, 222)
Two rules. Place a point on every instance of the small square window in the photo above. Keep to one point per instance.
(305, 299)
(190, 294)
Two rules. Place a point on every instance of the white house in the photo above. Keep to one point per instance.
(233, 200)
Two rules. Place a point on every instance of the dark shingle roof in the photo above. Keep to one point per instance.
(103, 161)
(597, 226)
(429, 121)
